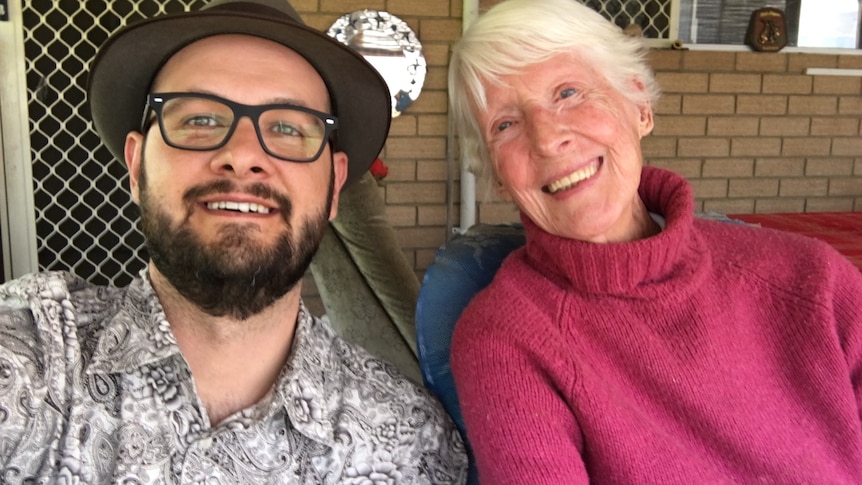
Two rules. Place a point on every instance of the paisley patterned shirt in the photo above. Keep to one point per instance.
(94, 389)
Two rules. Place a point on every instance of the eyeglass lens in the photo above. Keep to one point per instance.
(203, 124)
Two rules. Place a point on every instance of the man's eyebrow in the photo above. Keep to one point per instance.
(290, 101)
(276, 100)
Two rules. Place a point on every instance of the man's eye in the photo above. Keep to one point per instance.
(202, 121)
(287, 129)
(502, 126)
(568, 93)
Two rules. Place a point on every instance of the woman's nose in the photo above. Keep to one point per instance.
(547, 130)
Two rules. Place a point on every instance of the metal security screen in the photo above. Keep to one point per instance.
(653, 16)
(85, 220)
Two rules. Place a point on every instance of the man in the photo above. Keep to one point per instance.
(239, 126)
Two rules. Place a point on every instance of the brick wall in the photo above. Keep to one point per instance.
(754, 133)
(750, 130)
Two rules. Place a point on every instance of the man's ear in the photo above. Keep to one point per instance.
(133, 152)
(339, 170)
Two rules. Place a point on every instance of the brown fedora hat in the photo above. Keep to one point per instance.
(127, 63)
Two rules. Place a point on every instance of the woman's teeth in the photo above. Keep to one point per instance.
(571, 180)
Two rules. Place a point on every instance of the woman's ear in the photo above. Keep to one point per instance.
(646, 121)
(502, 192)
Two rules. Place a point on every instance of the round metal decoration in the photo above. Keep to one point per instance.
(389, 44)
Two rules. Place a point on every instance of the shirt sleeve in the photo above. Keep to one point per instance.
(22, 389)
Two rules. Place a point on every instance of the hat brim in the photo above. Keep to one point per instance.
(124, 69)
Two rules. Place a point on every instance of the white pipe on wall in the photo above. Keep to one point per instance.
(468, 180)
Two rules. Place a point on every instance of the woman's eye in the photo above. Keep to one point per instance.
(568, 93)
(502, 126)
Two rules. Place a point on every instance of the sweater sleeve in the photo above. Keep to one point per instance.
(847, 306)
(518, 422)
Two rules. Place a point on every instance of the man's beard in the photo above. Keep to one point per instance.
(232, 276)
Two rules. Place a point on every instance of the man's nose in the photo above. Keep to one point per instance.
(243, 153)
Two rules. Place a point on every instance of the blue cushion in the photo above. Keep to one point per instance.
(463, 266)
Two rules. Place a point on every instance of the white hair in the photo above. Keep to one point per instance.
(518, 33)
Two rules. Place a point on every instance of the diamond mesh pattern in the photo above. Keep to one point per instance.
(85, 220)
(653, 16)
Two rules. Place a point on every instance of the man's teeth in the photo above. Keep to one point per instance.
(238, 206)
(571, 180)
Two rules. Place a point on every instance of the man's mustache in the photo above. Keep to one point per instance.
(262, 191)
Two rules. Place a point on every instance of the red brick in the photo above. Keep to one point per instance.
(729, 206)
(728, 167)
(664, 59)
(812, 105)
(680, 125)
(784, 204)
(438, 29)
(797, 62)
(805, 186)
(784, 126)
(401, 215)
(829, 166)
(831, 204)
(709, 188)
(761, 105)
(786, 84)
(658, 146)
(416, 192)
(755, 146)
(835, 126)
(712, 61)
(734, 83)
(669, 104)
(683, 82)
(837, 85)
(732, 126)
(707, 104)
(687, 167)
(420, 237)
(847, 146)
(403, 8)
(850, 105)
(805, 146)
(756, 187)
(499, 213)
(846, 186)
(779, 167)
(704, 147)
(760, 62)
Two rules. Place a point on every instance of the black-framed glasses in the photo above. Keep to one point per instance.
(202, 122)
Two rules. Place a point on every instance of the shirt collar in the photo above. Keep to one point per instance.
(308, 387)
(137, 334)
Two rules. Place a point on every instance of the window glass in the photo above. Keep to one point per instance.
(810, 23)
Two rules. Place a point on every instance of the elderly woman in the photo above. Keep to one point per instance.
(627, 341)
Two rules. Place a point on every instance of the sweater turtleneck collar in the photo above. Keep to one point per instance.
(628, 268)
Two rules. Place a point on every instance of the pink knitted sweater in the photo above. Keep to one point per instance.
(709, 353)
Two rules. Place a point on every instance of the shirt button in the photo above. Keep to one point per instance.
(205, 443)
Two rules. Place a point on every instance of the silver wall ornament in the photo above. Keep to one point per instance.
(389, 44)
